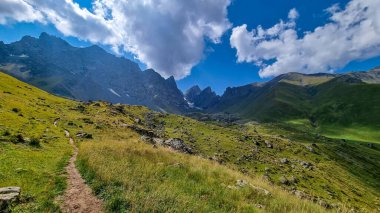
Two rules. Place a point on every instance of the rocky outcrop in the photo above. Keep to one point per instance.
(178, 144)
(173, 143)
(202, 99)
(192, 93)
(82, 134)
(8, 196)
(243, 183)
(268, 144)
(284, 161)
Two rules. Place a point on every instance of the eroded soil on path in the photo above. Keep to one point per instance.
(78, 196)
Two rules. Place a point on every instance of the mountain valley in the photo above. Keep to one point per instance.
(297, 143)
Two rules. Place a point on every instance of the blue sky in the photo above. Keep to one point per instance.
(218, 67)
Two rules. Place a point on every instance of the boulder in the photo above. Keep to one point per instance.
(310, 149)
(268, 144)
(158, 141)
(146, 139)
(299, 194)
(241, 183)
(8, 196)
(324, 204)
(284, 160)
(262, 190)
(283, 180)
(293, 179)
(178, 144)
(305, 164)
(84, 135)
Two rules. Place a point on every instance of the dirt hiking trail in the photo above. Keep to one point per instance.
(78, 197)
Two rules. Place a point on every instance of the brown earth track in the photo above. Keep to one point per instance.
(78, 197)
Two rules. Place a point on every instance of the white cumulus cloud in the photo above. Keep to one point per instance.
(167, 35)
(19, 11)
(352, 33)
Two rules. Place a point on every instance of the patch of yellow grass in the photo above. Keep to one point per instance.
(143, 179)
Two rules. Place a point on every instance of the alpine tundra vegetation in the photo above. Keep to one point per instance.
(190, 106)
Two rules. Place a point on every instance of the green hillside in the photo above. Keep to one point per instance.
(345, 103)
(237, 168)
(340, 106)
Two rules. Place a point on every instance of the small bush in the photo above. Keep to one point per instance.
(16, 110)
(17, 139)
(88, 136)
(117, 204)
(88, 121)
(34, 142)
(6, 133)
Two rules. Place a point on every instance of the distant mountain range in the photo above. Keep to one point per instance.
(91, 73)
(345, 99)
(88, 73)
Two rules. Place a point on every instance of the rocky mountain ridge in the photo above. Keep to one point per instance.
(88, 73)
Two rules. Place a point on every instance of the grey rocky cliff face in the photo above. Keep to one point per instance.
(192, 93)
(89, 73)
(202, 99)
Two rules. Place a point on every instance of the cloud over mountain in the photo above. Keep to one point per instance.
(167, 35)
(351, 34)
(18, 10)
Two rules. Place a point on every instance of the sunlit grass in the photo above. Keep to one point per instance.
(38, 170)
(129, 174)
(355, 133)
(132, 175)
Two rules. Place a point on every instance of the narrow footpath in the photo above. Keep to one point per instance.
(78, 197)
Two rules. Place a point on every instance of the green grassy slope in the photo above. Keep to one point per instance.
(342, 107)
(243, 148)
(125, 172)
(345, 104)
(283, 101)
(27, 113)
(129, 174)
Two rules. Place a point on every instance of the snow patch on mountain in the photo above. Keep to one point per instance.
(113, 91)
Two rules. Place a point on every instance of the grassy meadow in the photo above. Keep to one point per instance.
(230, 171)
(134, 176)
(33, 153)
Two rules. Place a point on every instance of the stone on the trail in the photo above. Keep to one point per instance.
(268, 144)
(8, 195)
(178, 145)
